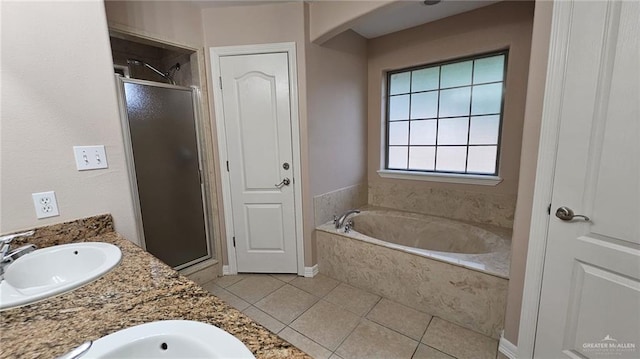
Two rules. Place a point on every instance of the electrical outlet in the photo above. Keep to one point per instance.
(90, 157)
(46, 204)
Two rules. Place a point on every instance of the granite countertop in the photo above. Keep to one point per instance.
(139, 290)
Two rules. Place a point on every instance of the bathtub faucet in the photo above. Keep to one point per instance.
(340, 221)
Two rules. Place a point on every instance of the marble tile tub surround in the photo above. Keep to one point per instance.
(471, 299)
(334, 203)
(140, 289)
(476, 246)
(494, 209)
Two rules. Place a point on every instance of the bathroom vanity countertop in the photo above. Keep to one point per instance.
(140, 289)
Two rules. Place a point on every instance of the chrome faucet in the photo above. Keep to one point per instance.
(340, 221)
(7, 255)
(79, 351)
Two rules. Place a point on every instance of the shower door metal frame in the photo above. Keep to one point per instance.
(196, 97)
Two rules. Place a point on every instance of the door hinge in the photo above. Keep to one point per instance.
(234, 241)
(549, 209)
(227, 166)
(220, 82)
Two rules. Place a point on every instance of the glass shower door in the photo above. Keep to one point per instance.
(161, 123)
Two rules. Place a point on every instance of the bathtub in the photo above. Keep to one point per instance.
(451, 269)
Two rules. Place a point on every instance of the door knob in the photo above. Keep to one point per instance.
(285, 182)
(566, 214)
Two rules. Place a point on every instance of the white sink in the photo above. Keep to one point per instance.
(169, 339)
(54, 270)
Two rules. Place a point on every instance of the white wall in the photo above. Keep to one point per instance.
(58, 91)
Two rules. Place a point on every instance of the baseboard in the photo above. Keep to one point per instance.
(311, 272)
(225, 270)
(507, 348)
(198, 267)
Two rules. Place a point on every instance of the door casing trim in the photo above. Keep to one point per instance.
(548, 147)
(216, 53)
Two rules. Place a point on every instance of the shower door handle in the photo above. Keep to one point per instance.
(285, 182)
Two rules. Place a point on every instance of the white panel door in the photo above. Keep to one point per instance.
(257, 117)
(590, 300)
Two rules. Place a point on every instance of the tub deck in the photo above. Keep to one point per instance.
(495, 262)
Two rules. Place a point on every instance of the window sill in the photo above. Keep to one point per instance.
(441, 177)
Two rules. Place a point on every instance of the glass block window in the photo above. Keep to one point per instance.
(446, 117)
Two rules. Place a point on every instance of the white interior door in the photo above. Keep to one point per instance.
(257, 116)
(590, 300)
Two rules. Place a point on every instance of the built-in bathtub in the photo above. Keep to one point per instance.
(451, 269)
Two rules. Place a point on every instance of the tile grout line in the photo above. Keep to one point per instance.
(298, 316)
(306, 310)
(373, 306)
(350, 310)
(231, 294)
(271, 316)
(285, 325)
(326, 301)
(438, 350)
(422, 336)
(230, 285)
(415, 350)
(206, 283)
(361, 320)
(425, 344)
(427, 328)
(352, 330)
(393, 330)
(348, 335)
(306, 291)
(361, 317)
(313, 341)
(261, 298)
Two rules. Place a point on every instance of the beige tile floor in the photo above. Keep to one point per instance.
(327, 318)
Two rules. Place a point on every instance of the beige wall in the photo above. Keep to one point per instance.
(337, 112)
(171, 21)
(177, 23)
(499, 26)
(337, 120)
(58, 91)
(332, 96)
(528, 158)
(261, 24)
(327, 18)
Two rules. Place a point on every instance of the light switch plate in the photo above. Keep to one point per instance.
(90, 157)
(45, 204)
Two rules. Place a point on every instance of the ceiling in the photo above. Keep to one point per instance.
(394, 17)
(405, 14)
(205, 4)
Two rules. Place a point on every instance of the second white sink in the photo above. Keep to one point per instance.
(54, 270)
(168, 339)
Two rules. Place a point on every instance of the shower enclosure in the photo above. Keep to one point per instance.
(160, 128)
